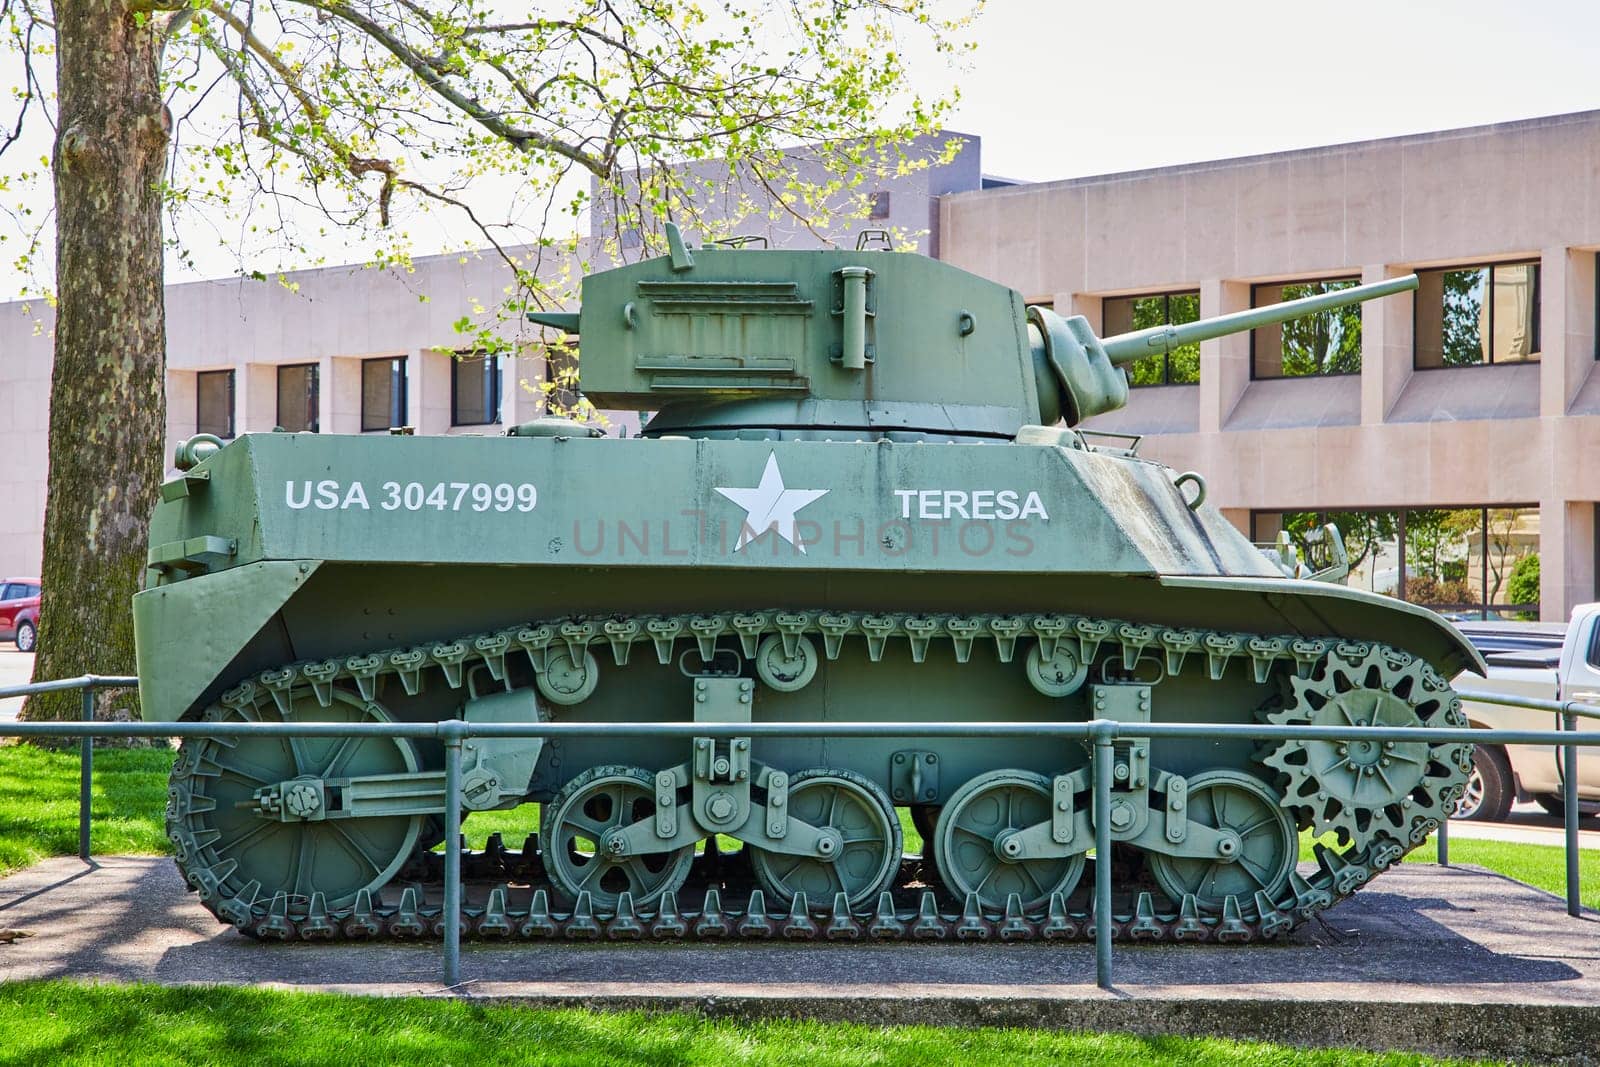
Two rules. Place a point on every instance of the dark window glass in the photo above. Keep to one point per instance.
(561, 396)
(383, 393)
(214, 402)
(1122, 314)
(1471, 315)
(879, 203)
(1466, 563)
(475, 390)
(1327, 342)
(298, 404)
(12, 592)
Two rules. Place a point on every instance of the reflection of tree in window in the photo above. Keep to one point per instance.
(1473, 315)
(1124, 314)
(1328, 342)
(1504, 539)
(1463, 317)
(1363, 532)
(1482, 561)
(1437, 551)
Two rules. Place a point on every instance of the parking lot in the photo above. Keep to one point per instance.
(16, 668)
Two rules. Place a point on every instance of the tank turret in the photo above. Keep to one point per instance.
(820, 344)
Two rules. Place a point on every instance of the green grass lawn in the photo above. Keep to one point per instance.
(39, 818)
(64, 1022)
(39, 802)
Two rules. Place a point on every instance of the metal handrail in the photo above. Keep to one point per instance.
(1100, 733)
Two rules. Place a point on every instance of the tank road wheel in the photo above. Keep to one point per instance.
(1358, 789)
(968, 841)
(1267, 843)
(869, 858)
(222, 842)
(575, 822)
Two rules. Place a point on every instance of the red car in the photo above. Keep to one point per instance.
(19, 612)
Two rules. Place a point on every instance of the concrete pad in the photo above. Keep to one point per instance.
(1456, 961)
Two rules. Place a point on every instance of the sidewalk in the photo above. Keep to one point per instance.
(1528, 825)
(1428, 958)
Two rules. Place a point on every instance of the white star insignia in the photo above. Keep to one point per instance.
(770, 505)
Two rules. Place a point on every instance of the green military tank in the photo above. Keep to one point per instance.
(864, 495)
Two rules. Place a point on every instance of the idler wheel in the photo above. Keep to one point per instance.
(1257, 854)
(870, 841)
(974, 844)
(573, 830)
(219, 835)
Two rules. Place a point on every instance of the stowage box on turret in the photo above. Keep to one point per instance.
(864, 495)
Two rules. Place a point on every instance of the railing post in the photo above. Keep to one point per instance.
(1569, 755)
(85, 774)
(453, 733)
(1102, 857)
(1444, 841)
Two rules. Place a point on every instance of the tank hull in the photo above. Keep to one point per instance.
(346, 545)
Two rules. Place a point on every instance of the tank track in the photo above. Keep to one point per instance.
(503, 897)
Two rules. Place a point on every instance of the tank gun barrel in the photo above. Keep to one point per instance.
(1127, 347)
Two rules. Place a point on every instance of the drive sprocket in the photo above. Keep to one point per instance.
(1360, 789)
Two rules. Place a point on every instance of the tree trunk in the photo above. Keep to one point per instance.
(107, 391)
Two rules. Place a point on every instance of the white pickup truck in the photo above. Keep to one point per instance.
(1535, 661)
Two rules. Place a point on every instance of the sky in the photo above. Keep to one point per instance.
(1068, 88)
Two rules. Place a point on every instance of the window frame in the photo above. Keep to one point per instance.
(1538, 312)
(315, 410)
(497, 398)
(405, 393)
(233, 402)
(1254, 377)
(1165, 295)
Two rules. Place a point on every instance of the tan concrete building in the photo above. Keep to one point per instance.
(1454, 435)
(338, 350)
(1429, 426)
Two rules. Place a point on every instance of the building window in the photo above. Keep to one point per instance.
(1327, 342)
(1472, 315)
(1465, 563)
(475, 390)
(561, 395)
(878, 206)
(299, 406)
(383, 393)
(214, 403)
(1122, 314)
